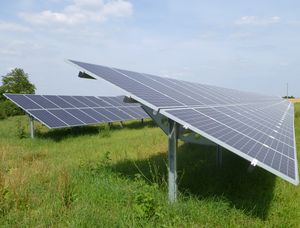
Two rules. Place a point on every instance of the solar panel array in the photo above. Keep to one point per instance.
(68, 111)
(256, 127)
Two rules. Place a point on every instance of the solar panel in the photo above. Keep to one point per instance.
(256, 127)
(67, 111)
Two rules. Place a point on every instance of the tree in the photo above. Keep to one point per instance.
(16, 81)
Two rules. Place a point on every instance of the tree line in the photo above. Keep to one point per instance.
(16, 81)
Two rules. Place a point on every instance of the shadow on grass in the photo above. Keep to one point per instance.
(200, 177)
(58, 135)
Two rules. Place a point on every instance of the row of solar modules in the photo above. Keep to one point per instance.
(251, 125)
(165, 92)
(67, 111)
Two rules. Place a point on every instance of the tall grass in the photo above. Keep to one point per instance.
(117, 177)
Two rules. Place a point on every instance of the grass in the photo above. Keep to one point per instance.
(95, 176)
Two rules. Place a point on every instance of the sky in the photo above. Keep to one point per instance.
(246, 45)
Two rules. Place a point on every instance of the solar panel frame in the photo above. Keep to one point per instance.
(76, 111)
(164, 105)
(234, 150)
(21, 98)
(35, 114)
(159, 100)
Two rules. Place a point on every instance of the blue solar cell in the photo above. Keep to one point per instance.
(66, 117)
(58, 101)
(109, 115)
(130, 111)
(47, 118)
(73, 101)
(121, 100)
(111, 101)
(41, 101)
(23, 101)
(96, 115)
(120, 113)
(86, 101)
(85, 118)
(98, 101)
(140, 111)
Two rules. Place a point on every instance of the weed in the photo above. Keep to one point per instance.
(66, 188)
(4, 204)
(145, 204)
(155, 173)
(20, 129)
(104, 133)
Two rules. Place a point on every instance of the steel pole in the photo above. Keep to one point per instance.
(172, 169)
(31, 124)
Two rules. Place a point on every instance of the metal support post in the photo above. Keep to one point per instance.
(142, 121)
(172, 169)
(219, 155)
(31, 125)
(121, 124)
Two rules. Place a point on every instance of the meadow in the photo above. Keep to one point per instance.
(99, 177)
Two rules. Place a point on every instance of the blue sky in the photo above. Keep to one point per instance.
(247, 45)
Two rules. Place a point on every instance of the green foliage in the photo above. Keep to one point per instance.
(2, 113)
(4, 203)
(7, 108)
(145, 204)
(66, 189)
(106, 160)
(11, 198)
(16, 81)
(20, 129)
(105, 132)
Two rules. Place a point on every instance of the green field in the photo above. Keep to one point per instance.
(92, 176)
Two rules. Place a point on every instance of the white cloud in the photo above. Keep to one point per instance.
(13, 27)
(81, 11)
(257, 21)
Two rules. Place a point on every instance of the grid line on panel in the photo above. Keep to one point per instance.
(61, 103)
(238, 122)
(229, 127)
(178, 102)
